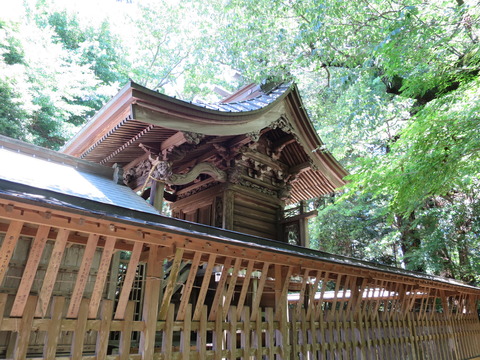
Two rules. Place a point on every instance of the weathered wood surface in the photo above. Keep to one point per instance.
(258, 307)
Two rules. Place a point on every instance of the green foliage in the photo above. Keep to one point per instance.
(357, 228)
(12, 116)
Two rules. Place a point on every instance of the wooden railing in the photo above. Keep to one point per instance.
(246, 335)
(205, 298)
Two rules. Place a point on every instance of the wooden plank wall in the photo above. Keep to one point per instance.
(251, 308)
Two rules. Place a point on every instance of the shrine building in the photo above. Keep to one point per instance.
(168, 229)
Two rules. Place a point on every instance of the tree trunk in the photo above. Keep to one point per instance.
(410, 242)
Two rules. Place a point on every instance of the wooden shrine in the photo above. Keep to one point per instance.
(91, 269)
(233, 165)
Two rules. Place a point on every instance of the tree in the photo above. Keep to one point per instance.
(392, 87)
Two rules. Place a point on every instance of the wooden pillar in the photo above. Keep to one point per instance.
(156, 195)
(228, 207)
(150, 304)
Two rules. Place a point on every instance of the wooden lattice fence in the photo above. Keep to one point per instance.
(208, 299)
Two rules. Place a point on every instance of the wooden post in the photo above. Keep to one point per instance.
(104, 331)
(228, 208)
(204, 287)
(156, 194)
(79, 333)
(54, 328)
(126, 334)
(112, 283)
(217, 300)
(25, 327)
(150, 305)
(189, 286)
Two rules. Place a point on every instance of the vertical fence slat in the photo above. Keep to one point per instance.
(151, 301)
(246, 333)
(25, 327)
(167, 336)
(186, 333)
(104, 331)
(126, 333)
(80, 329)
(202, 334)
(54, 328)
(232, 333)
(218, 335)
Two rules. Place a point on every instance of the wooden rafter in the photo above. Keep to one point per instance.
(204, 288)
(82, 276)
(188, 286)
(31, 266)
(8, 245)
(52, 272)
(128, 281)
(101, 276)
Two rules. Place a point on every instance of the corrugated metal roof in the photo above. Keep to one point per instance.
(66, 179)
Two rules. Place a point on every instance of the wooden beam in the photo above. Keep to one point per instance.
(258, 295)
(302, 291)
(128, 281)
(188, 286)
(172, 278)
(231, 287)
(101, 277)
(151, 302)
(176, 139)
(220, 290)
(51, 273)
(40, 216)
(82, 276)
(204, 287)
(8, 246)
(245, 286)
(281, 304)
(34, 257)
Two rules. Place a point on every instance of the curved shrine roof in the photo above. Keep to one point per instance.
(139, 115)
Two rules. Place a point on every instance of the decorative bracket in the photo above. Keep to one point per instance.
(202, 168)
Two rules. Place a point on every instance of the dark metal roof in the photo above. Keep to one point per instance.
(253, 104)
(35, 170)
